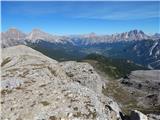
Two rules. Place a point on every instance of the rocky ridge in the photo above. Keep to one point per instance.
(37, 87)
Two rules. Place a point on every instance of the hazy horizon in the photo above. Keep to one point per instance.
(77, 33)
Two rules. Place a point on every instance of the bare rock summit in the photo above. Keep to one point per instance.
(35, 87)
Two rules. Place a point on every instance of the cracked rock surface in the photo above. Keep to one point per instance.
(35, 87)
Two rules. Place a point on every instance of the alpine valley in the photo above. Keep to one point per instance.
(80, 77)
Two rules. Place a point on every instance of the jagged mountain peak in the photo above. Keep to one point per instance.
(91, 35)
(37, 30)
(135, 31)
(37, 34)
(141, 32)
(132, 35)
(12, 37)
(157, 34)
(14, 31)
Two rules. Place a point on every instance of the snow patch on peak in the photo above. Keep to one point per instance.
(152, 48)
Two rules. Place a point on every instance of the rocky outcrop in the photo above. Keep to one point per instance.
(35, 87)
(136, 115)
(153, 117)
(143, 79)
(84, 74)
(146, 84)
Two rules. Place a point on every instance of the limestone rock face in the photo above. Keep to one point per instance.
(35, 87)
(153, 117)
(84, 74)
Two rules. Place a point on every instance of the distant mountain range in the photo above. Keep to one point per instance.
(134, 45)
(15, 36)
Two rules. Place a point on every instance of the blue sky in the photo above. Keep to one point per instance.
(81, 17)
